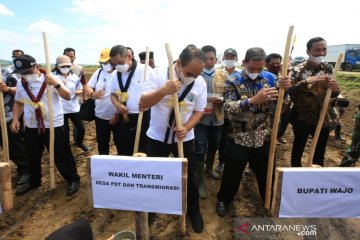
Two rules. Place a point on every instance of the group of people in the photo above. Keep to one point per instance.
(226, 110)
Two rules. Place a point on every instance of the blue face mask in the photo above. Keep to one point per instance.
(209, 72)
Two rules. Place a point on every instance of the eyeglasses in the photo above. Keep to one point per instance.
(65, 66)
(210, 59)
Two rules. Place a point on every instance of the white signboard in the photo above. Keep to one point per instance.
(320, 193)
(137, 184)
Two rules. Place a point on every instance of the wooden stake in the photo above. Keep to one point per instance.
(276, 121)
(323, 114)
(138, 128)
(141, 218)
(4, 133)
(5, 186)
(178, 125)
(51, 114)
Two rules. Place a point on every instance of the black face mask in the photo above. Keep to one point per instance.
(274, 69)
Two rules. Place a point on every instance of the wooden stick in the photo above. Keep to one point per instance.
(6, 195)
(323, 114)
(51, 114)
(142, 218)
(138, 127)
(4, 133)
(276, 121)
(178, 125)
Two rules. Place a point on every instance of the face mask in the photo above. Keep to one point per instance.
(229, 63)
(274, 69)
(209, 71)
(123, 68)
(317, 60)
(65, 70)
(253, 76)
(30, 77)
(186, 80)
(107, 67)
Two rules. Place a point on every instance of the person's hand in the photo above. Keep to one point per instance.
(265, 95)
(181, 132)
(98, 94)
(15, 126)
(49, 79)
(217, 102)
(114, 119)
(121, 108)
(3, 87)
(171, 87)
(315, 79)
(284, 82)
(332, 83)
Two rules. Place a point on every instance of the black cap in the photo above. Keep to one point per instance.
(230, 51)
(24, 63)
(142, 55)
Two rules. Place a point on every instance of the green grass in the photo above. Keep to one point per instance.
(349, 80)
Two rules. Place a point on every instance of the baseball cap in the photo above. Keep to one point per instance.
(104, 55)
(23, 63)
(230, 51)
(63, 60)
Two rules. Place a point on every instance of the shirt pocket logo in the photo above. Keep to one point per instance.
(191, 97)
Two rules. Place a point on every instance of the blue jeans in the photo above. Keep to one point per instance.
(207, 139)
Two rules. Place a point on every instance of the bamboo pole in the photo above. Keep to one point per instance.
(4, 133)
(276, 121)
(138, 127)
(51, 114)
(323, 112)
(6, 195)
(178, 125)
(141, 218)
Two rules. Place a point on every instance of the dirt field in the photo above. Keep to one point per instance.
(40, 212)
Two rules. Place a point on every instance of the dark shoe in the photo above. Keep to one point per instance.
(196, 221)
(73, 188)
(221, 209)
(24, 179)
(24, 188)
(83, 147)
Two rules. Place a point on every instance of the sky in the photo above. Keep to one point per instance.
(91, 25)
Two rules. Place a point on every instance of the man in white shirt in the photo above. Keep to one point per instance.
(163, 135)
(31, 100)
(125, 90)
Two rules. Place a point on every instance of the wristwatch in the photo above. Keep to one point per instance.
(9, 89)
(57, 86)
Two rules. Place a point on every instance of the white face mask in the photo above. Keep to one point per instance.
(253, 76)
(107, 67)
(65, 70)
(316, 60)
(123, 68)
(229, 63)
(186, 80)
(30, 77)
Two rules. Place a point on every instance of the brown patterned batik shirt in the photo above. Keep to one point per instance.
(308, 98)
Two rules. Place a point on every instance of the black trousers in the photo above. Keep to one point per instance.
(103, 132)
(79, 127)
(161, 149)
(237, 157)
(17, 152)
(223, 140)
(64, 160)
(128, 133)
(301, 133)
